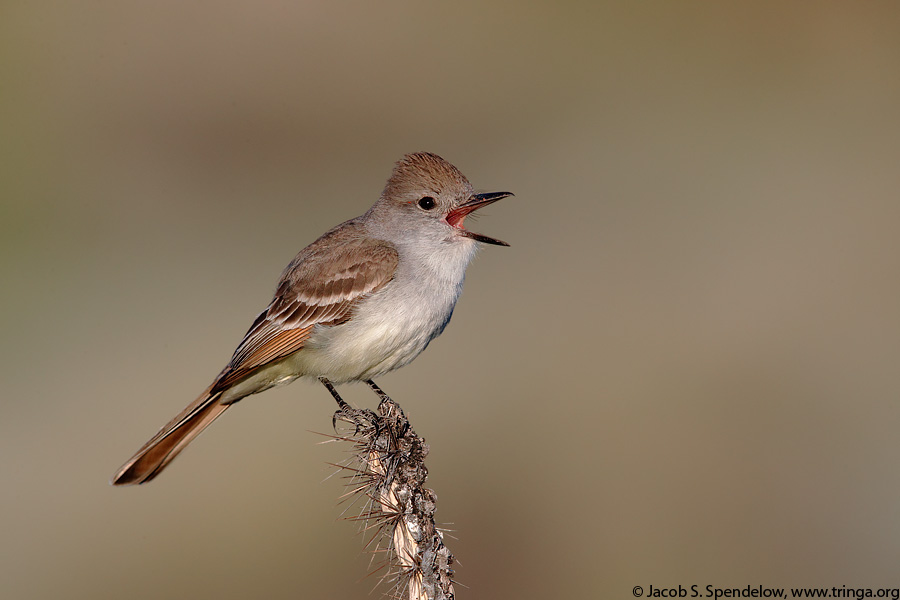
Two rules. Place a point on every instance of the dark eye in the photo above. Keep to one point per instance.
(427, 203)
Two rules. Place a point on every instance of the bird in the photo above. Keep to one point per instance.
(364, 299)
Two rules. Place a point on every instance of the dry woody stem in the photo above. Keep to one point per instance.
(390, 474)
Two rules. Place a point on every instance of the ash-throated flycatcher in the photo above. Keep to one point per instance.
(364, 299)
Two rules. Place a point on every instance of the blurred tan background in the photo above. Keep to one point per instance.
(683, 371)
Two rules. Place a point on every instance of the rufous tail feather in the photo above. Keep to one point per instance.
(153, 456)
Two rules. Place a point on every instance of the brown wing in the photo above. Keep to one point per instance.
(319, 287)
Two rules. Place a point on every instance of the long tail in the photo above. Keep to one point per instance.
(153, 456)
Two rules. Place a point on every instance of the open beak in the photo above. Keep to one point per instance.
(456, 216)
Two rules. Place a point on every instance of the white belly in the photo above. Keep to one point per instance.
(387, 331)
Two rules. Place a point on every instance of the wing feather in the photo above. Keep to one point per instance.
(319, 288)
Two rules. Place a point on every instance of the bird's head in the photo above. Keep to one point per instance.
(425, 190)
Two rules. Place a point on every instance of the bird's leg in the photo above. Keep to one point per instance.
(384, 397)
(334, 393)
(345, 412)
(390, 409)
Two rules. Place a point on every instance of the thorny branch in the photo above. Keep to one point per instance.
(399, 510)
